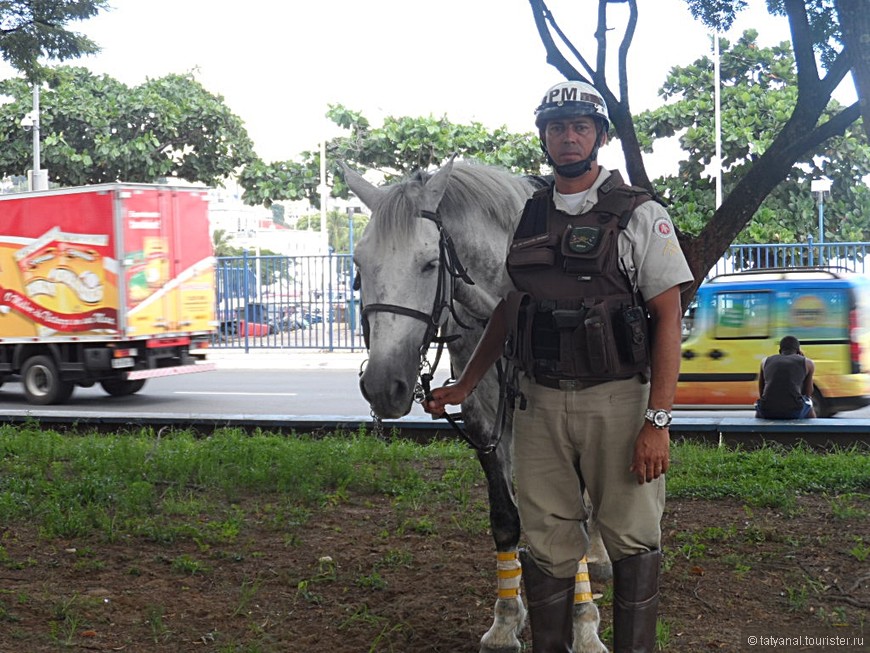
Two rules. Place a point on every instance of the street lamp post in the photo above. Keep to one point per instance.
(820, 188)
(38, 177)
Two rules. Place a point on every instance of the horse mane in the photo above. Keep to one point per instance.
(473, 188)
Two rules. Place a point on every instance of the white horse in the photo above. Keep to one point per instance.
(432, 257)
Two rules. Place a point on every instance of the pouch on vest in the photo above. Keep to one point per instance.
(634, 334)
(520, 311)
(537, 251)
(600, 346)
(581, 249)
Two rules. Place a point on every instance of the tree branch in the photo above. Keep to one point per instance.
(627, 38)
(601, 37)
(554, 56)
(802, 43)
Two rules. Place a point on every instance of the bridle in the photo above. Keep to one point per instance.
(451, 270)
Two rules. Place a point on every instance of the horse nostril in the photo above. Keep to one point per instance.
(400, 389)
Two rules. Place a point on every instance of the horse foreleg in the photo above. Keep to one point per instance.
(600, 569)
(586, 618)
(509, 614)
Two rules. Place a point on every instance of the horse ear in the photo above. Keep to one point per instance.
(434, 189)
(368, 193)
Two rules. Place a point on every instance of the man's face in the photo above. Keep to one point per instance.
(571, 139)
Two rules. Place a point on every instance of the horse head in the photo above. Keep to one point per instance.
(404, 291)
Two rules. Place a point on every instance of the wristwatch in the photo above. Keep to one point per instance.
(659, 417)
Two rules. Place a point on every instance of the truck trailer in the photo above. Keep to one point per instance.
(111, 284)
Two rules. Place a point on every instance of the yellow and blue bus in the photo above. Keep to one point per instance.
(738, 319)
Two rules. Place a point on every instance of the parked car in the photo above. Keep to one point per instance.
(286, 318)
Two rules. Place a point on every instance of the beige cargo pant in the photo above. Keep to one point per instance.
(569, 439)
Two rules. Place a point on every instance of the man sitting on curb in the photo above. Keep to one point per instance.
(785, 383)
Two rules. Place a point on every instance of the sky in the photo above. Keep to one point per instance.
(278, 65)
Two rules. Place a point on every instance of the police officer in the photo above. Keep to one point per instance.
(592, 319)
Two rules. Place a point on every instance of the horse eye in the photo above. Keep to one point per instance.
(431, 265)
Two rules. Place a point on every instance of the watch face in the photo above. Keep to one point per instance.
(661, 418)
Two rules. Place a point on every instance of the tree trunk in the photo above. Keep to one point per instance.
(854, 17)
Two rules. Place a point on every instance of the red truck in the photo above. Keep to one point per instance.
(110, 284)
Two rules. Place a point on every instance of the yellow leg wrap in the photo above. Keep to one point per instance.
(582, 586)
(509, 574)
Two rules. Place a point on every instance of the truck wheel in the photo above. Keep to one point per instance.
(122, 388)
(42, 383)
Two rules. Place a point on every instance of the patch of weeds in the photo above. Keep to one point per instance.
(292, 539)
(186, 564)
(421, 525)
(154, 619)
(326, 572)
(692, 546)
(473, 520)
(718, 533)
(861, 551)
(303, 589)
(326, 569)
(754, 535)
(361, 615)
(796, 598)
(6, 614)
(226, 530)
(663, 635)
(397, 558)
(7, 561)
(338, 497)
(836, 617)
(67, 622)
(383, 637)
(183, 506)
(247, 593)
(89, 564)
(738, 562)
(373, 581)
(850, 506)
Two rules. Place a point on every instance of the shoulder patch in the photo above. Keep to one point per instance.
(663, 228)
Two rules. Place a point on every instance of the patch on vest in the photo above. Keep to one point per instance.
(582, 240)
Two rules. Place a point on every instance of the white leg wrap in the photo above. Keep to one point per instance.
(510, 613)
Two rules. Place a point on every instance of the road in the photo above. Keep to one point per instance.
(279, 384)
(254, 384)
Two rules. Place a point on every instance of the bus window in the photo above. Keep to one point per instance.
(742, 315)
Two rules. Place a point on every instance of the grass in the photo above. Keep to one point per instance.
(206, 492)
(179, 486)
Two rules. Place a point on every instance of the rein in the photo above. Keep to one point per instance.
(451, 270)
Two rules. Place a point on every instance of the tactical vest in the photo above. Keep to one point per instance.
(575, 315)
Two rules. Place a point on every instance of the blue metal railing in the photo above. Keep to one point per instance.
(307, 302)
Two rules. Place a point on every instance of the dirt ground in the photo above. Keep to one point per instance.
(359, 576)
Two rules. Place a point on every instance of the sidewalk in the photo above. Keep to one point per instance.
(285, 359)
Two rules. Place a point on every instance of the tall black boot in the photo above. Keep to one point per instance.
(636, 602)
(551, 608)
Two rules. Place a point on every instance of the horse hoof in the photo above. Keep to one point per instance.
(600, 572)
(586, 622)
(510, 617)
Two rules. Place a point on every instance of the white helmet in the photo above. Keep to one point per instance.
(570, 99)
